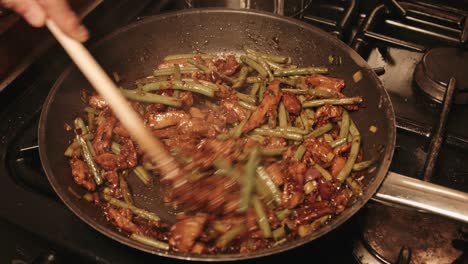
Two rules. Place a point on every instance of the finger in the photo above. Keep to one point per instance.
(60, 12)
(28, 9)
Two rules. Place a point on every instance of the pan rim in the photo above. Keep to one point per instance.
(371, 188)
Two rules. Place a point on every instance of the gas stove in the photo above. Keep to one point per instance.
(414, 46)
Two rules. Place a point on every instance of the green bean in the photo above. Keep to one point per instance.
(149, 241)
(262, 218)
(254, 79)
(188, 56)
(261, 91)
(279, 233)
(80, 124)
(324, 172)
(305, 122)
(310, 187)
(304, 230)
(362, 165)
(199, 66)
(344, 173)
(263, 64)
(126, 194)
(277, 133)
(262, 174)
(342, 101)
(272, 119)
(338, 142)
(249, 61)
(344, 125)
(247, 105)
(115, 148)
(300, 152)
(269, 57)
(137, 211)
(298, 123)
(246, 98)
(300, 71)
(143, 175)
(171, 71)
(254, 90)
(93, 167)
(249, 179)
(90, 121)
(190, 86)
(177, 73)
(262, 191)
(354, 186)
(145, 97)
(282, 116)
(71, 148)
(313, 92)
(229, 236)
(257, 138)
(237, 130)
(272, 151)
(320, 131)
(273, 65)
(222, 166)
(89, 109)
(283, 214)
(290, 82)
(91, 148)
(241, 79)
(353, 130)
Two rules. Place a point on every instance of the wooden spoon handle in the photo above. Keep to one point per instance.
(129, 118)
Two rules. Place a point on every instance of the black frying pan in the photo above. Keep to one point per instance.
(135, 50)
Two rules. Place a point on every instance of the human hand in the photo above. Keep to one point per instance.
(35, 13)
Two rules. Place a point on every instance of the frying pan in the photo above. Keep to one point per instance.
(135, 50)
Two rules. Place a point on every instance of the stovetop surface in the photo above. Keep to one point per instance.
(36, 225)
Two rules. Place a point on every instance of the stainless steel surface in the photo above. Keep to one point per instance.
(422, 195)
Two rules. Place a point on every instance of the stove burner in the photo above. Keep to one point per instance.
(400, 235)
(437, 67)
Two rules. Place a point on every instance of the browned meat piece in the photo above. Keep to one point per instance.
(184, 232)
(311, 174)
(224, 92)
(309, 213)
(227, 66)
(341, 200)
(210, 194)
(325, 189)
(297, 170)
(197, 127)
(343, 150)
(326, 112)
(166, 119)
(108, 161)
(232, 110)
(186, 98)
(103, 136)
(122, 218)
(112, 177)
(186, 143)
(210, 150)
(323, 81)
(121, 131)
(292, 194)
(97, 102)
(322, 152)
(291, 103)
(337, 165)
(275, 171)
(128, 154)
(199, 248)
(270, 102)
(81, 174)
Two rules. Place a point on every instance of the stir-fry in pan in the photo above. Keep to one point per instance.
(268, 152)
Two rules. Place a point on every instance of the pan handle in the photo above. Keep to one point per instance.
(426, 196)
